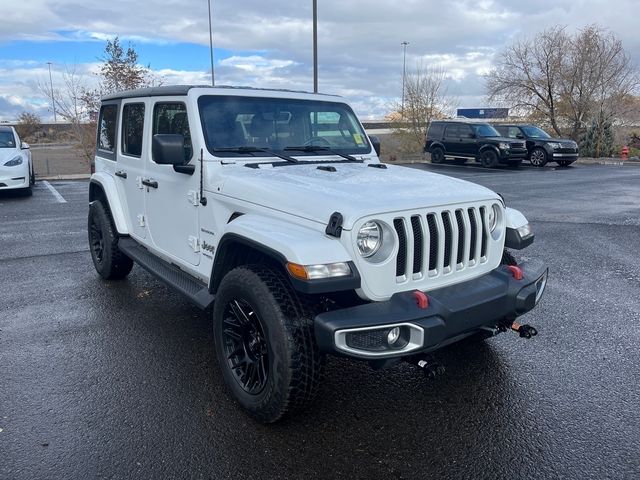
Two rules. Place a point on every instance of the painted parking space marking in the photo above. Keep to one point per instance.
(59, 198)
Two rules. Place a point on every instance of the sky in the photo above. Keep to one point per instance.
(268, 43)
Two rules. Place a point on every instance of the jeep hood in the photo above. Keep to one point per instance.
(354, 189)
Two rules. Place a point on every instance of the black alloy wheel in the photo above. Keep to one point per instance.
(96, 239)
(245, 346)
(489, 158)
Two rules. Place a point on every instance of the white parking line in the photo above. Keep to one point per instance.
(59, 198)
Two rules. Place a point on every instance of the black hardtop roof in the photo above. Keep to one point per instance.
(175, 90)
(460, 120)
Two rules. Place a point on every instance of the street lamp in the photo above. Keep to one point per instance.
(53, 100)
(315, 46)
(404, 71)
(213, 82)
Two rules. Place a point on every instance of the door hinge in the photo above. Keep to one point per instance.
(194, 198)
(141, 220)
(194, 243)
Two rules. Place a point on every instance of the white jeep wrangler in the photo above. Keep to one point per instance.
(273, 207)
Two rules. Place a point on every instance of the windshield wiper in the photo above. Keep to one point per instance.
(318, 148)
(251, 150)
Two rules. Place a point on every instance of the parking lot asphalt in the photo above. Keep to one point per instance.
(119, 380)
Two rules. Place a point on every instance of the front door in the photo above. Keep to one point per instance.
(130, 164)
(171, 198)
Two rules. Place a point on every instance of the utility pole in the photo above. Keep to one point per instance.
(404, 72)
(213, 81)
(53, 100)
(315, 46)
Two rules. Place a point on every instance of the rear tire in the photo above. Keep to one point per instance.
(437, 155)
(489, 159)
(107, 258)
(265, 343)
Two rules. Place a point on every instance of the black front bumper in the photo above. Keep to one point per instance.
(453, 312)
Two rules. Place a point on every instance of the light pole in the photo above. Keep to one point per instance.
(315, 46)
(53, 100)
(404, 72)
(213, 81)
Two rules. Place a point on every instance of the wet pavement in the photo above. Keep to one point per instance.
(119, 380)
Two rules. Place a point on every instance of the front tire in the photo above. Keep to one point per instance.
(489, 159)
(107, 258)
(538, 157)
(265, 344)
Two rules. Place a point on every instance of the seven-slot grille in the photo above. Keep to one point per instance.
(435, 244)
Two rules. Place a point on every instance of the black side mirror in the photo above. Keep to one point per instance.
(168, 149)
(375, 141)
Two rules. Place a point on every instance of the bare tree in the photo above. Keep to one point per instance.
(78, 104)
(530, 75)
(425, 99)
(570, 81)
(28, 125)
(598, 80)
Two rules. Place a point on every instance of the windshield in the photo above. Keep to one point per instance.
(248, 126)
(535, 132)
(485, 131)
(7, 140)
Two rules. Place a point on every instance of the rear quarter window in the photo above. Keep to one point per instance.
(107, 128)
(435, 130)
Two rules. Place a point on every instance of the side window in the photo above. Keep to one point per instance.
(132, 129)
(171, 118)
(107, 128)
(452, 131)
(514, 132)
(435, 131)
(465, 131)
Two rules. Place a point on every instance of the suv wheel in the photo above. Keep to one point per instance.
(437, 155)
(264, 340)
(538, 157)
(109, 261)
(489, 158)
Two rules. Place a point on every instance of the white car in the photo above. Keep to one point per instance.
(273, 208)
(16, 166)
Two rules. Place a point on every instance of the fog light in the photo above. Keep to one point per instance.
(393, 335)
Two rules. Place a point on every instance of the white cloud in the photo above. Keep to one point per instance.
(360, 55)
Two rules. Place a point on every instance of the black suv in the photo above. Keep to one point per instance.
(542, 147)
(462, 140)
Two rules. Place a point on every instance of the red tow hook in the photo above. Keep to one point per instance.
(516, 272)
(421, 299)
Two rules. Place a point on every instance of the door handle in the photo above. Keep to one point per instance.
(149, 183)
(121, 174)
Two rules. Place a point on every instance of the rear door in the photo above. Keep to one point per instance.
(130, 165)
(451, 139)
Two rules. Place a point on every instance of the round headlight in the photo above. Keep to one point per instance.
(369, 239)
(493, 217)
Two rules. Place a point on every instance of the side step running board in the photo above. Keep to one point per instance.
(177, 279)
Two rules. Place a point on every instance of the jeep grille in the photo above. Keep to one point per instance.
(436, 244)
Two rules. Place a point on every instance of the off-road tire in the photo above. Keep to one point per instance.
(538, 157)
(437, 155)
(295, 364)
(489, 158)
(108, 260)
